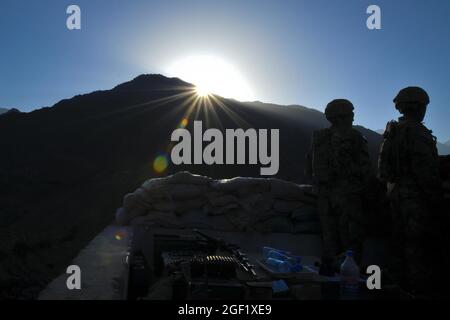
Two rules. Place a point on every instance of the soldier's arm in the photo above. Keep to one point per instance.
(385, 156)
(365, 162)
(425, 163)
(320, 158)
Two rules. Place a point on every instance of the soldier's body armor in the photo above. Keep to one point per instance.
(340, 160)
(408, 159)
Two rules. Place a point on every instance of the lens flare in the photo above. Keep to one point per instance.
(119, 235)
(160, 163)
(184, 123)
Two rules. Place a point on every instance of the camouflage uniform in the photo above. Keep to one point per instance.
(409, 164)
(340, 164)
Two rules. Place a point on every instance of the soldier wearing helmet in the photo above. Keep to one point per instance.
(409, 164)
(339, 165)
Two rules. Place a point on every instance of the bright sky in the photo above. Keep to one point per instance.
(285, 52)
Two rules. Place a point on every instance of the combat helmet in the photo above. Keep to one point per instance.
(338, 108)
(413, 96)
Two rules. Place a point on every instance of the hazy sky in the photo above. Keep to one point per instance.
(289, 52)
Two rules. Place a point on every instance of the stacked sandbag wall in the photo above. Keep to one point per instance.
(185, 200)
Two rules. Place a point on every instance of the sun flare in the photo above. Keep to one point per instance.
(212, 75)
(202, 91)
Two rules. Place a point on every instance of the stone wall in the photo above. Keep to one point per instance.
(185, 200)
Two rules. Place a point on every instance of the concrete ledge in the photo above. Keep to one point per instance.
(104, 272)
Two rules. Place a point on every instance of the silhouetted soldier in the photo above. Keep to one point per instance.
(340, 166)
(409, 164)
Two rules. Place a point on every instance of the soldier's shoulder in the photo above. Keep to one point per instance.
(415, 128)
(391, 127)
(358, 135)
(422, 132)
(321, 136)
(322, 133)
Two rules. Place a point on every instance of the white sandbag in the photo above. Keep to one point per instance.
(187, 205)
(305, 213)
(165, 206)
(286, 190)
(129, 201)
(187, 191)
(121, 217)
(230, 185)
(198, 219)
(124, 216)
(155, 183)
(215, 211)
(223, 200)
(185, 177)
(256, 203)
(286, 206)
(153, 195)
(145, 196)
(240, 219)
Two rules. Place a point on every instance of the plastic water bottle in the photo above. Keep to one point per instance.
(349, 275)
(280, 256)
(279, 265)
(267, 250)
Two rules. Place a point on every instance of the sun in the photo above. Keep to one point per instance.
(212, 75)
(202, 91)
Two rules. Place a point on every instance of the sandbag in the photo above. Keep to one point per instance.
(223, 200)
(254, 203)
(234, 184)
(125, 216)
(307, 227)
(190, 204)
(186, 191)
(215, 211)
(239, 204)
(278, 223)
(185, 177)
(198, 219)
(166, 206)
(305, 213)
(286, 190)
(286, 206)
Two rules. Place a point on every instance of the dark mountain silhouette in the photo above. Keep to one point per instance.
(6, 112)
(443, 148)
(65, 169)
